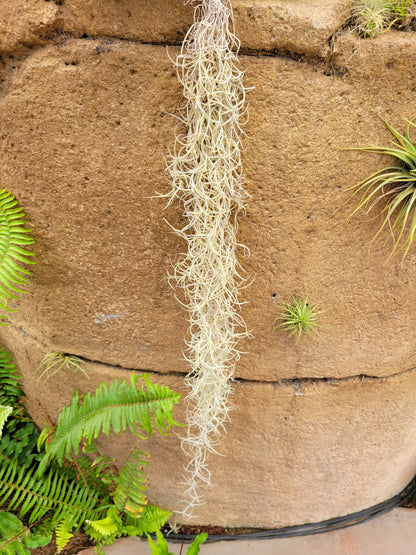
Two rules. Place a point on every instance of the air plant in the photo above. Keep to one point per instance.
(53, 362)
(373, 17)
(207, 178)
(394, 186)
(298, 317)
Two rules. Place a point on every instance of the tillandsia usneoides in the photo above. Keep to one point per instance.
(207, 178)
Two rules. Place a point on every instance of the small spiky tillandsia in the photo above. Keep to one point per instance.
(373, 17)
(394, 185)
(207, 178)
(298, 317)
(55, 361)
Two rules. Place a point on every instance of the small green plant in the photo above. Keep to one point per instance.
(394, 186)
(14, 238)
(18, 539)
(161, 548)
(373, 17)
(53, 362)
(5, 412)
(68, 483)
(298, 317)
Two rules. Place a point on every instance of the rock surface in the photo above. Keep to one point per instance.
(86, 129)
(283, 25)
(295, 451)
(25, 23)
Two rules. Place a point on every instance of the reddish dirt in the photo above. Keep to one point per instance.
(78, 542)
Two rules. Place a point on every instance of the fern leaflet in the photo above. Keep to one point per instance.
(4, 415)
(120, 406)
(10, 390)
(151, 519)
(63, 534)
(128, 496)
(14, 238)
(106, 526)
(20, 433)
(24, 490)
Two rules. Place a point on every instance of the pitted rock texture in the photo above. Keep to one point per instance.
(288, 26)
(294, 452)
(25, 23)
(87, 118)
(87, 127)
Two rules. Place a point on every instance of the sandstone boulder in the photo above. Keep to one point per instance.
(323, 427)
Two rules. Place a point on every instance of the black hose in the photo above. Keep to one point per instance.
(312, 528)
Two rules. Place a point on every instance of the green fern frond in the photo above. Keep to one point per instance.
(20, 433)
(105, 527)
(10, 390)
(35, 495)
(4, 415)
(99, 471)
(152, 518)
(19, 442)
(119, 407)
(106, 530)
(161, 548)
(14, 238)
(63, 534)
(128, 496)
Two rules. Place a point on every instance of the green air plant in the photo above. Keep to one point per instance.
(298, 317)
(53, 362)
(207, 178)
(14, 238)
(393, 187)
(373, 17)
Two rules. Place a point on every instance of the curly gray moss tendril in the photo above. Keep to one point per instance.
(207, 178)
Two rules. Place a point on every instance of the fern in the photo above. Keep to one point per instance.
(106, 530)
(129, 496)
(80, 490)
(4, 415)
(63, 534)
(10, 390)
(113, 526)
(24, 491)
(99, 471)
(151, 519)
(19, 442)
(14, 238)
(120, 406)
(108, 526)
(20, 433)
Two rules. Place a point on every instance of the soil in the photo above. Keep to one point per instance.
(211, 530)
(410, 503)
(82, 541)
(77, 543)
